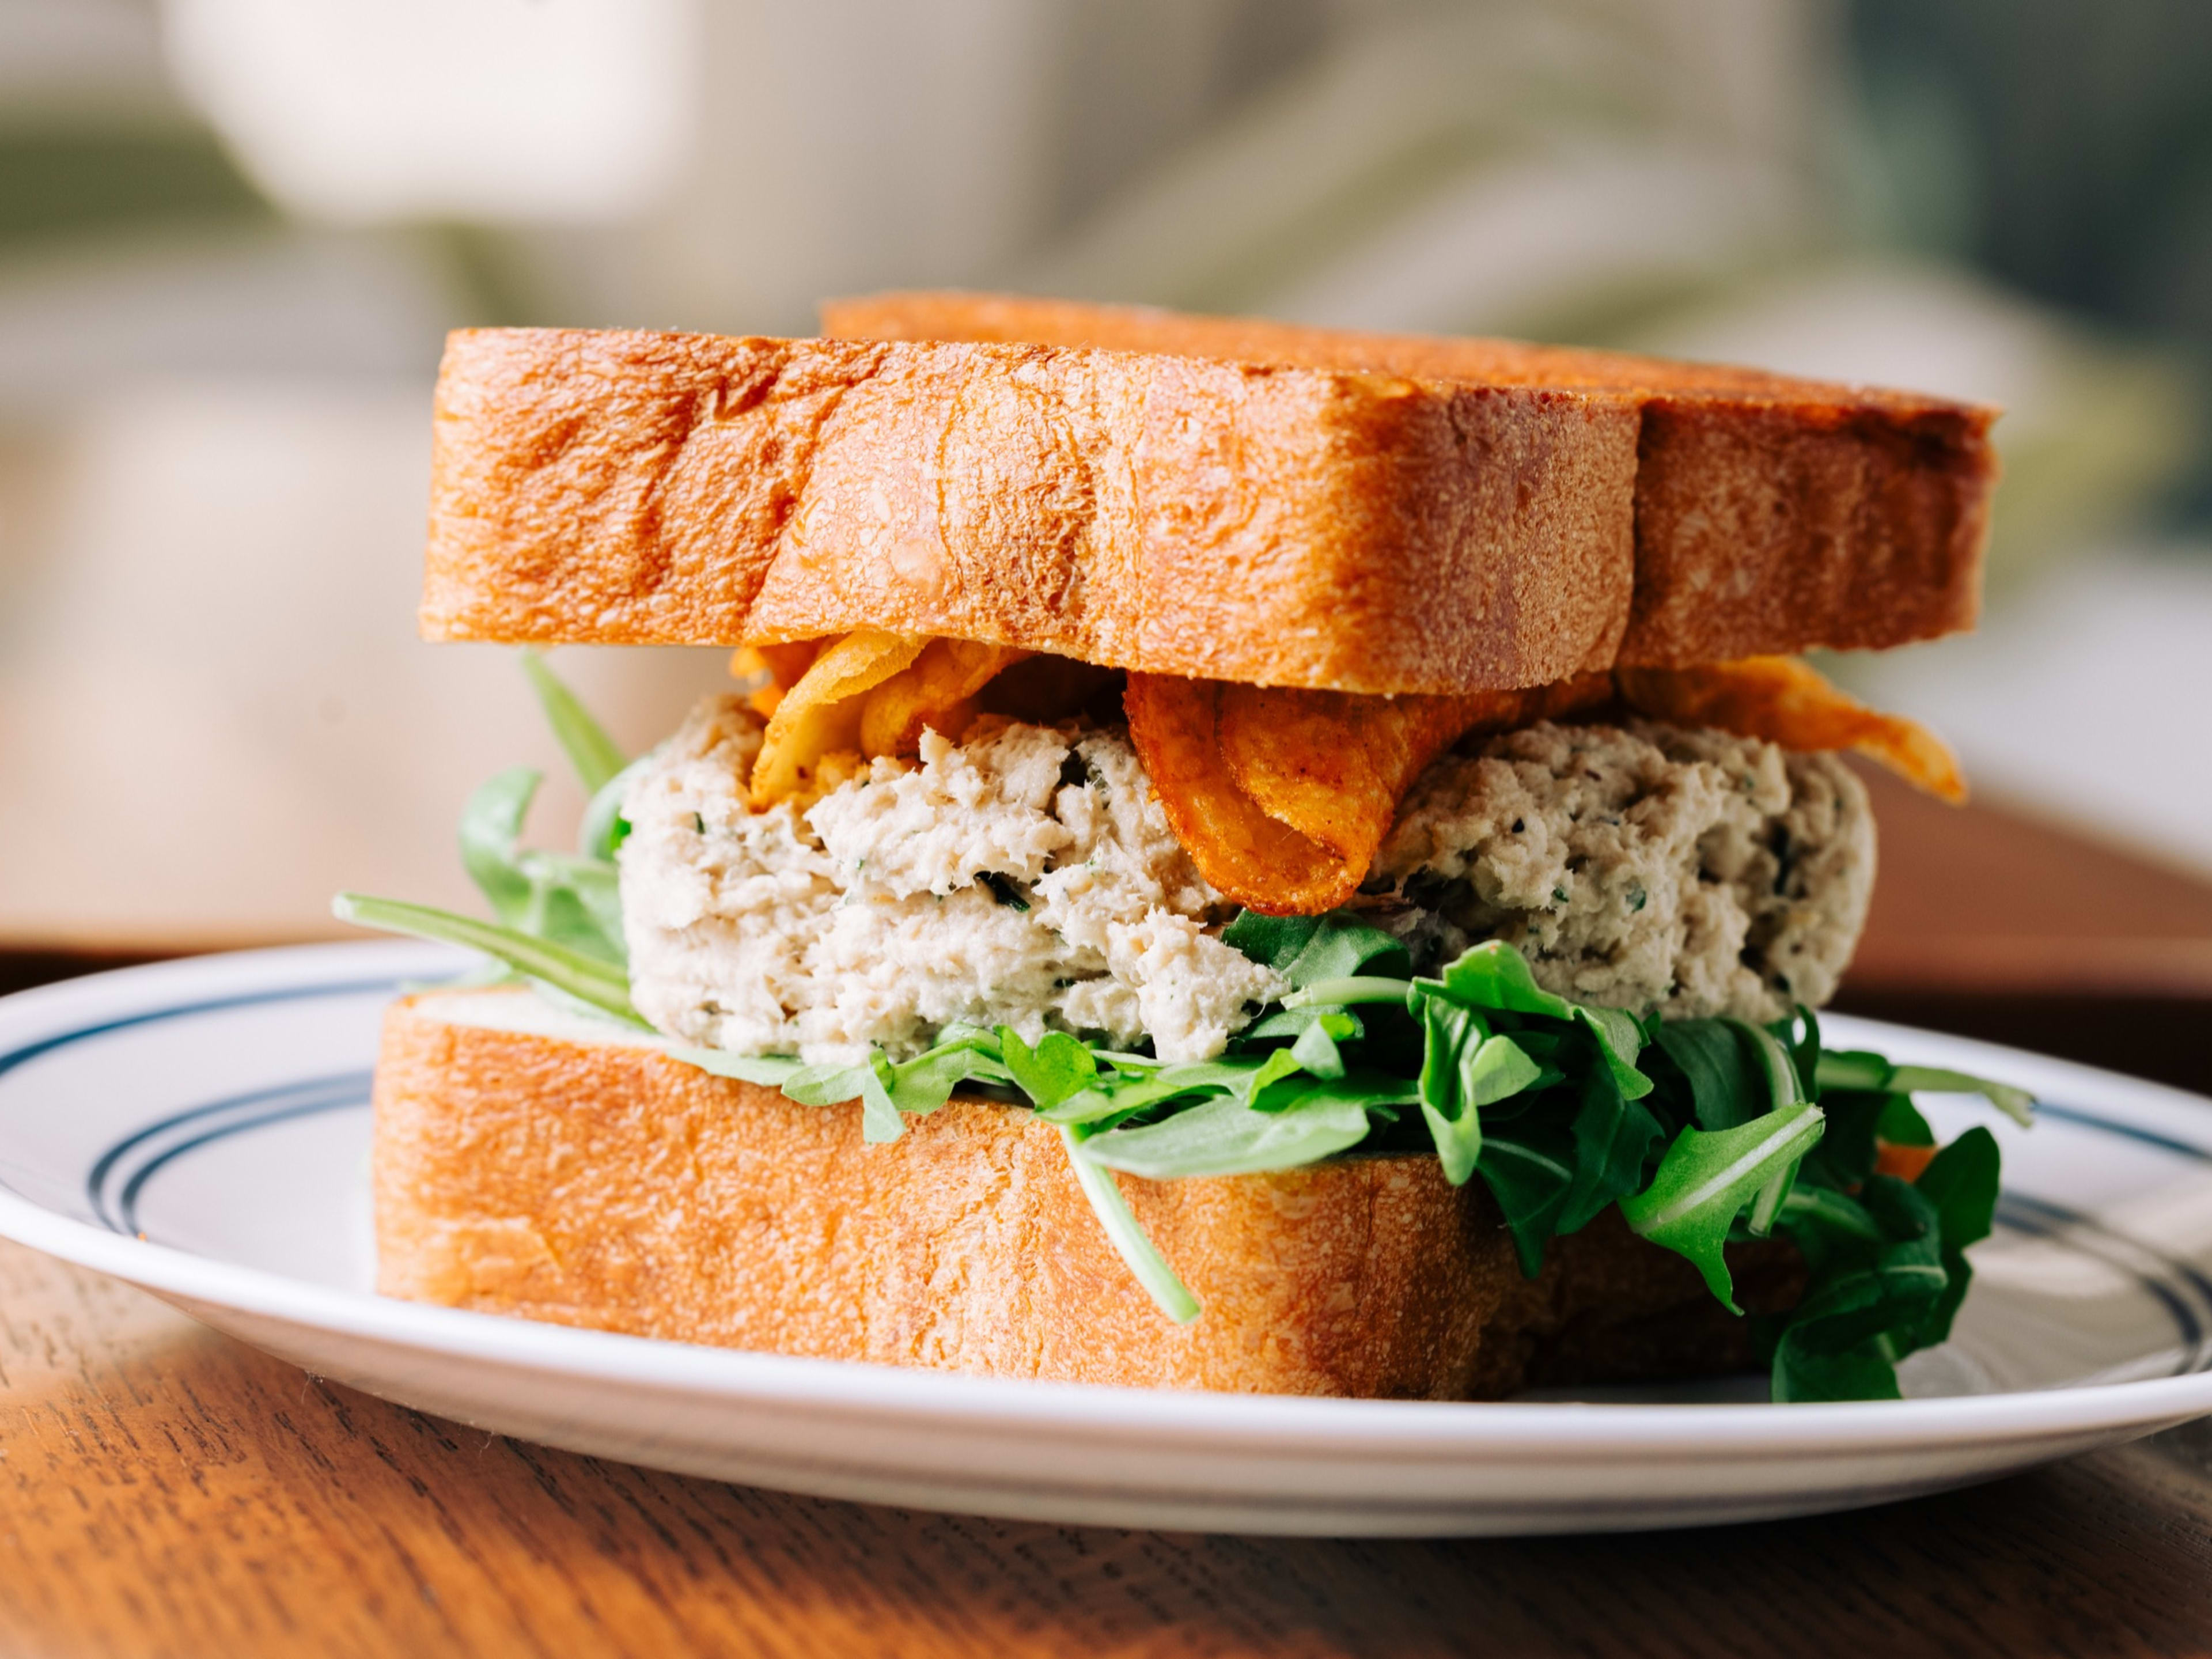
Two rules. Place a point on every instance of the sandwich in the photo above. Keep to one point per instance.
(1235, 856)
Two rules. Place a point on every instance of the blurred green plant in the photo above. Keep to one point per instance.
(76, 179)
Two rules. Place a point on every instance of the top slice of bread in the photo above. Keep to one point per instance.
(1772, 514)
(1344, 524)
(1274, 525)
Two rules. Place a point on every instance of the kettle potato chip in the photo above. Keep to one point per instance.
(779, 667)
(1327, 767)
(1332, 765)
(1789, 701)
(1261, 864)
(937, 691)
(821, 715)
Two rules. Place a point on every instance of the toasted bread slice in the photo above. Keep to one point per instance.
(1347, 529)
(1772, 513)
(1291, 526)
(527, 1164)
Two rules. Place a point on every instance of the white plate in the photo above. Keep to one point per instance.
(201, 1129)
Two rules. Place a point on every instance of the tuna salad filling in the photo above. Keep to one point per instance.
(1027, 877)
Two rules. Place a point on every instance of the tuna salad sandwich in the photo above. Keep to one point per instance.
(1234, 856)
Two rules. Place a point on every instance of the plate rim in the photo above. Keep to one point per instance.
(1397, 1428)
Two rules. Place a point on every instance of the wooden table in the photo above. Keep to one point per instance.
(164, 1490)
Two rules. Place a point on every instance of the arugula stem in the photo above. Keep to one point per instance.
(1342, 992)
(601, 984)
(583, 739)
(1128, 1239)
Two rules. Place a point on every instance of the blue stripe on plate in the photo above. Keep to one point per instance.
(15, 1057)
(2129, 1131)
(283, 1101)
(127, 1202)
(2041, 1217)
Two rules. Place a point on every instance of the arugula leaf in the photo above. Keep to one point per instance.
(1861, 1371)
(1800, 1033)
(574, 902)
(867, 1081)
(1529, 1167)
(583, 739)
(1465, 1066)
(1225, 1136)
(598, 984)
(1856, 1322)
(1725, 1085)
(603, 827)
(578, 903)
(491, 829)
(1613, 1139)
(1342, 1022)
(2018, 1105)
(1887, 1271)
(1708, 1177)
(1852, 1068)
(1961, 1182)
(1901, 1125)
(1857, 1069)
(825, 1084)
(1059, 1068)
(1306, 950)
(1282, 1063)
(927, 1082)
(1845, 1158)
(1493, 974)
(1316, 1051)
(1776, 1069)
(1129, 1240)
(1119, 1095)
(1820, 1211)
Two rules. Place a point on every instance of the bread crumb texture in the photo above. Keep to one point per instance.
(601, 1184)
(1690, 872)
(1027, 877)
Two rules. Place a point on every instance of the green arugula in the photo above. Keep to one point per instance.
(1705, 1133)
(593, 753)
(1710, 1177)
(597, 984)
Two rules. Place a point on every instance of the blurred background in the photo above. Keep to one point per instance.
(233, 232)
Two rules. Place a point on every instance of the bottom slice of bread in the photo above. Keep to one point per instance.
(527, 1164)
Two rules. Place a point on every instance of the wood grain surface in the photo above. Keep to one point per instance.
(167, 1492)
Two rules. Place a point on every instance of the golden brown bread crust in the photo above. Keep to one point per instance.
(609, 1186)
(1273, 525)
(1771, 514)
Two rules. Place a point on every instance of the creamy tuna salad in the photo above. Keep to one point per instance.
(1027, 877)
(1688, 872)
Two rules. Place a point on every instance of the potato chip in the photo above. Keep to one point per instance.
(1328, 767)
(1788, 701)
(938, 692)
(1262, 865)
(1332, 765)
(821, 715)
(777, 668)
